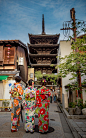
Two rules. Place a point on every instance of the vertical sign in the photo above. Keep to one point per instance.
(21, 61)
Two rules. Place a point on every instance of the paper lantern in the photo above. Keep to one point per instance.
(8, 48)
(7, 56)
(8, 52)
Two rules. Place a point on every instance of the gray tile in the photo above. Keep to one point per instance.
(82, 133)
(83, 128)
(68, 135)
(78, 129)
(80, 124)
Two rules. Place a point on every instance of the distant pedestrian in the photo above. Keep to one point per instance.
(42, 102)
(29, 101)
(55, 98)
(51, 96)
(16, 98)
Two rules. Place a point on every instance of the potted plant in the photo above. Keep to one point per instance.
(80, 103)
(71, 108)
(5, 103)
(84, 109)
(79, 106)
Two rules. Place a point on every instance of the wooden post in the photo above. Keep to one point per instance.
(61, 94)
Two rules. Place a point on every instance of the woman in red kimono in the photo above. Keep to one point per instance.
(42, 103)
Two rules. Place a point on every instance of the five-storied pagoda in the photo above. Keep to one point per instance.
(43, 51)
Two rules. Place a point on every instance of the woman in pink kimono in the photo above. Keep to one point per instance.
(42, 103)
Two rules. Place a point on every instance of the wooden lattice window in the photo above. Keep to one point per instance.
(43, 51)
(39, 51)
(44, 61)
(48, 61)
(9, 54)
(39, 61)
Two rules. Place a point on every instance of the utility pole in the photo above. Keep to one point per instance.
(72, 14)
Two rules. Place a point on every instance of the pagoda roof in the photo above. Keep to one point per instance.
(41, 65)
(43, 35)
(43, 45)
(33, 37)
(42, 55)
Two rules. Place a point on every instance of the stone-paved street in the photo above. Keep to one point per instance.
(79, 125)
(57, 126)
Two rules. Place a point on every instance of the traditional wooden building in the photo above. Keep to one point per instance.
(43, 51)
(13, 61)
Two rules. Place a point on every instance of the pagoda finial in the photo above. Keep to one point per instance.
(43, 27)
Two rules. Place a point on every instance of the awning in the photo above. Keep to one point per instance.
(3, 77)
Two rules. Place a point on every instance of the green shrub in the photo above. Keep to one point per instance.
(80, 103)
(5, 103)
(72, 105)
(84, 105)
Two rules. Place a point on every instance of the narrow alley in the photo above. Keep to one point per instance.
(58, 127)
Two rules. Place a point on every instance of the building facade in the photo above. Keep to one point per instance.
(13, 61)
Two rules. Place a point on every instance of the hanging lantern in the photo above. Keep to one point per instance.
(8, 52)
(7, 56)
(8, 48)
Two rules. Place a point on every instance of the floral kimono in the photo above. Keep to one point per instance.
(29, 98)
(16, 98)
(43, 101)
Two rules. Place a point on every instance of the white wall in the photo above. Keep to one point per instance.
(84, 95)
(1, 90)
(65, 49)
(7, 88)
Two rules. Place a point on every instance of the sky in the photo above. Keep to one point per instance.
(20, 17)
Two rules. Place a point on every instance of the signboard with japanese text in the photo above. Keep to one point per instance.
(21, 61)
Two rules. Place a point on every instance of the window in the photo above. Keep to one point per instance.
(9, 53)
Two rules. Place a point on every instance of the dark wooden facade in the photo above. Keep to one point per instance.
(11, 52)
(43, 51)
